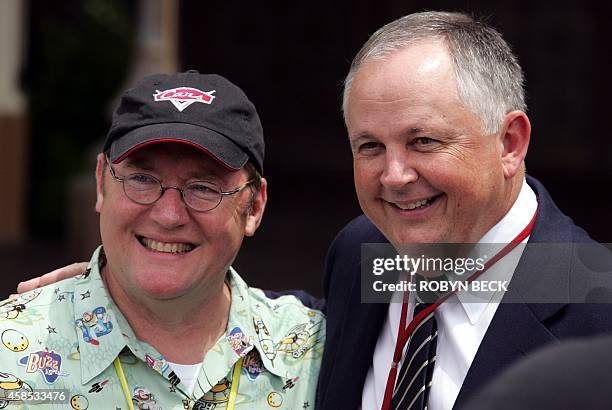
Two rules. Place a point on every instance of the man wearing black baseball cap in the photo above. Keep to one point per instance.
(160, 319)
(205, 111)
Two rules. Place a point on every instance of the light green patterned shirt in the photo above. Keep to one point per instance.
(67, 336)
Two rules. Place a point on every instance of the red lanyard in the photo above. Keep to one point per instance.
(403, 334)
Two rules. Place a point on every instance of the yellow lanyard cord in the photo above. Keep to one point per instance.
(231, 403)
(124, 384)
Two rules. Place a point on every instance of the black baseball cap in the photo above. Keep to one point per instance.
(205, 111)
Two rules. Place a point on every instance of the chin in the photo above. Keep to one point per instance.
(400, 241)
(161, 286)
(399, 234)
(163, 293)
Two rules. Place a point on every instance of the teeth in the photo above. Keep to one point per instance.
(413, 205)
(166, 246)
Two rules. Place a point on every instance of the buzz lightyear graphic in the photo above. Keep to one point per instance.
(95, 324)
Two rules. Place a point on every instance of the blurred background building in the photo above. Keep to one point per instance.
(63, 65)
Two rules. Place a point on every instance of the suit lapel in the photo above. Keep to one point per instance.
(514, 331)
(519, 327)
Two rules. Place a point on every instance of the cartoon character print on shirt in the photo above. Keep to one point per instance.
(11, 384)
(47, 363)
(143, 399)
(265, 340)
(14, 340)
(275, 399)
(79, 402)
(219, 393)
(11, 308)
(299, 339)
(160, 365)
(253, 365)
(94, 324)
(239, 341)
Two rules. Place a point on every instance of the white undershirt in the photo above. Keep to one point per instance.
(188, 373)
(461, 325)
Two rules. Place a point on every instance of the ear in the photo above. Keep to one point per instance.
(514, 136)
(257, 209)
(99, 182)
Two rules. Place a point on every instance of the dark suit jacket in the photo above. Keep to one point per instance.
(516, 329)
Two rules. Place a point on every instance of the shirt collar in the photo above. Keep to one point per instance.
(103, 331)
(503, 232)
(100, 336)
(516, 218)
(254, 323)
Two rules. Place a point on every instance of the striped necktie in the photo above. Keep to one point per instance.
(414, 378)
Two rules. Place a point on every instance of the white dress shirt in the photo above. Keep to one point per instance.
(461, 322)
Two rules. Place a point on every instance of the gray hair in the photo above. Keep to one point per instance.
(489, 78)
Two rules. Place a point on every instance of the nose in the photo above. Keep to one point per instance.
(398, 170)
(170, 211)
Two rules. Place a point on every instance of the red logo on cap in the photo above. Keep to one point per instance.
(183, 97)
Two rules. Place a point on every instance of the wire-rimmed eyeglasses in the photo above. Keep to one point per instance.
(145, 189)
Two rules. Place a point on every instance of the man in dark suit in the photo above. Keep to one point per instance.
(435, 111)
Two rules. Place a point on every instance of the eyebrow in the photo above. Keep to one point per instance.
(366, 135)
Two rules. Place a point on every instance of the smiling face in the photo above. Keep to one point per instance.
(79, 402)
(166, 250)
(424, 170)
(14, 340)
